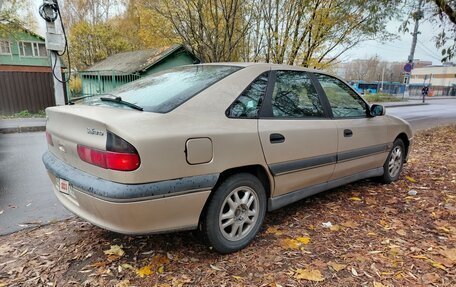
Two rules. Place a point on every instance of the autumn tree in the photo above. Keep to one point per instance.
(314, 33)
(213, 29)
(14, 15)
(372, 69)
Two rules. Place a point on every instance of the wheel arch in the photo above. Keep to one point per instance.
(257, 170)
(406, 142)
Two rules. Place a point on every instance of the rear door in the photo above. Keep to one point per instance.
(299, 142)
(362, 138)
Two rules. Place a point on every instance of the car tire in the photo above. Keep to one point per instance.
(235, 213)
(393, 165)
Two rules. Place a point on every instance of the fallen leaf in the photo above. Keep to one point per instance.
(378, 284)
(123, 283)
(1, 212)
(335, 228)
(311, 275)
(401, 232)
(303, 239)
(273, 230)
(161, 269)
(127, 266)
(144, 271)
(290, 243)
(411, 179)
(353, 271)
(336, 266)
(115, 250)
(350, 224)
(449, 253)
(430, 278)
(354, 198)
(238, 277)
(215, 267)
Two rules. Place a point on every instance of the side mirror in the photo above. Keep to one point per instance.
(377, 110)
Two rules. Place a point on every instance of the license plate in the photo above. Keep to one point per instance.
(64, 186)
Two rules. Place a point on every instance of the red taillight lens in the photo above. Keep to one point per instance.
(49, 139)
(108, 159)
(119, 154)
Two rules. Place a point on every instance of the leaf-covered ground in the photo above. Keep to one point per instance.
(363, 234)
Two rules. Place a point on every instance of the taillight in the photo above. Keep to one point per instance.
(49, 139)
(119, 154)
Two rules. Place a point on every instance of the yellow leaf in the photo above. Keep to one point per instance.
(437, 265)
(273, 230)
(334, 227)
(161, 269)
(350, 224)
(115, 250)
(378, 284)
(401, 232)
(355, 198)
(420, 257)
(123, 283)
(372, 234)
(127, 266)
(238, 277)
(144, 271)
(303, 239)
(411, 179)
(290, 243)
(311, 275)
(336, 266)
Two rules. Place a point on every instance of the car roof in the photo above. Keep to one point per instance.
(270, 65)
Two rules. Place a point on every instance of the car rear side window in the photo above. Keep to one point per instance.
(344, 102)
(165, 91)
(294, 96)
(248, 104)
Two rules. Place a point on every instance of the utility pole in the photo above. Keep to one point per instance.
(417, 16)
(55, 44)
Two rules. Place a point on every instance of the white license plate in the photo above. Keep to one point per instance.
(64, 186)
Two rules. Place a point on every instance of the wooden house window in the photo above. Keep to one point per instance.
(32, 49)
(5, 47)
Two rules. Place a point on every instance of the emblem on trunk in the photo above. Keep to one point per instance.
(92, 131)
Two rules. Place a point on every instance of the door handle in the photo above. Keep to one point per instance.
(276, 138)
(348, 133)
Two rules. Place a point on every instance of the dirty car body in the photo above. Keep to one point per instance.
(215, 146)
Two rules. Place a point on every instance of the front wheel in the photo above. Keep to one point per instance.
(235, 213)
(393, 164)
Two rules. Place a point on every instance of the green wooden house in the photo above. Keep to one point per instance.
(122, 68)
(25, 73)
(23, 48)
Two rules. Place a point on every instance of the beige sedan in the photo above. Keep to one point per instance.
(215, 146)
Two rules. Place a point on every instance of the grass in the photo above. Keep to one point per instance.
(381, 97)
(24, 114)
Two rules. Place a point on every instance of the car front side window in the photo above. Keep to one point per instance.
(294, 96)
(344, 102)
(248, 104)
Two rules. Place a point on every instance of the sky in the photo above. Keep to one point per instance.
(397, 50)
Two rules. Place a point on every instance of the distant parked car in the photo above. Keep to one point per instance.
(215, 146)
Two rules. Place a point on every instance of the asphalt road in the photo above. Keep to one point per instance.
(26, 198)
(438, 112)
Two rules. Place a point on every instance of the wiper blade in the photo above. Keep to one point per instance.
(120, 101)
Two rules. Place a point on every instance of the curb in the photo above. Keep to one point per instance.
(22, 129)
(407, 105)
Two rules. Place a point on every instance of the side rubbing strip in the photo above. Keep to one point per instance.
(290, 166)
(313, 162)
(352, 154)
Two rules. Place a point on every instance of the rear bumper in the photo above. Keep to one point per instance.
(131, 208)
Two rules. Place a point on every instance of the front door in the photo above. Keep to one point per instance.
(362, 138)
(299, 142)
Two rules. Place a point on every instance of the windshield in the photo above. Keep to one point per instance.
(165, 91)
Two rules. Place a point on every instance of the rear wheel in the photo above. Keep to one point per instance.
(393, 164)
(235, 213)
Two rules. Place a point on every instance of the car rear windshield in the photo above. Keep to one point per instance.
(165, 91)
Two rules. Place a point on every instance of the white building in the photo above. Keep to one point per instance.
(440, 79)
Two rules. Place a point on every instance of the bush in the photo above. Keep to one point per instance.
(381, 97)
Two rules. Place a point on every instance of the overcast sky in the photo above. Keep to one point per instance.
(392, 51)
